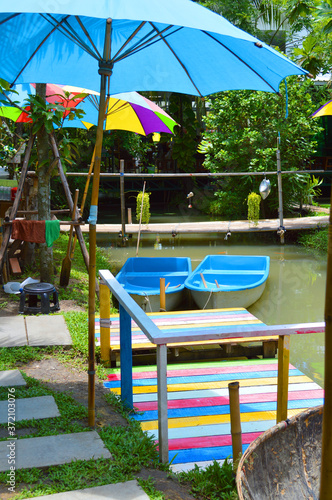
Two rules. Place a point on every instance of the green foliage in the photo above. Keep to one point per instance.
(254, 203)
(216, 482)
(317, 239)
(228, 205)
(184, 140)
(149, 488)
(242, 132)
(146, 207)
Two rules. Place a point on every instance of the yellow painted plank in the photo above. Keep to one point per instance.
(214, 385)
(174, 423)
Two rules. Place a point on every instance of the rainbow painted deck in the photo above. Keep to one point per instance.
(198, 405)
(185, 319)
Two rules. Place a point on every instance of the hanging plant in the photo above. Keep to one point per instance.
(254, 201)
(146, 207)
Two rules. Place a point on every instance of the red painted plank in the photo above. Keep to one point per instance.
(201, 371)
(223, 400)
(209, 441)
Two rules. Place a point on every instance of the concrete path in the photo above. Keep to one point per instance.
(129, 490)
(34, 330)
(28, 408)
(11, 378)
(52, 450)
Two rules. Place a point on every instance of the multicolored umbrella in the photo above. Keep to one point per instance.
(324, 110)
(126, 111)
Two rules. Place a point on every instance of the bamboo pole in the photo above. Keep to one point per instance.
(283, 375)
(162, 295)
(140, 219)
(326, 465)
(84, 196)
(122, 202)
(234, 407)
(280, 209)
(196, 174)
(93, 222)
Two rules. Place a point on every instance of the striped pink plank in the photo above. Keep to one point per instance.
(224, 400)
(201, 371)
(209, 441)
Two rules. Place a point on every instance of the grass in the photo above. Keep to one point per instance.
(317, 239)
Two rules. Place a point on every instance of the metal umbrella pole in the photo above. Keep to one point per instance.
(281, 230)
(105, 69)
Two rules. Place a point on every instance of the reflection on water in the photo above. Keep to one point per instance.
(294, 293)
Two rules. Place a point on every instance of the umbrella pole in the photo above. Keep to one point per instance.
(326, 465)
(104, 70)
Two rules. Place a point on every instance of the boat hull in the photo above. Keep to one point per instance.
(284, 462)
(222, 281)
(140, 277)
(221, 299)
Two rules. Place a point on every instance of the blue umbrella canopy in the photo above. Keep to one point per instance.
(171, 45)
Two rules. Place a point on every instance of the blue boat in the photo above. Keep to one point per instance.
(140, 277)
(228, 281)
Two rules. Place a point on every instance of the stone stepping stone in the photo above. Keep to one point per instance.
(28, 408)
(47, 330)
(130, 490)
(51, 450)
(12, 331)
(11, 378)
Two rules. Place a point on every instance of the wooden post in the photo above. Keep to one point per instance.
(130, 221)
(234, 406)
(122, 202)
(105, 339)
(326, 465)
(162, 403)
(126, 358)
(283, 373)
(162, 295)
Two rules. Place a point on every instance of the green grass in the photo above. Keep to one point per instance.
(216, 482)
(317, 239)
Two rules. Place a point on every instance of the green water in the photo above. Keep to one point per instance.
(294, 293)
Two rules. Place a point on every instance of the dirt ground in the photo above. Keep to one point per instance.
(62, 378)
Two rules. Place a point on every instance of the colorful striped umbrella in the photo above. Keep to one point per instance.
(324, 110)
(126, 111)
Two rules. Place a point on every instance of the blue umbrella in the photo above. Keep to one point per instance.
(170, 45)
(131, 45)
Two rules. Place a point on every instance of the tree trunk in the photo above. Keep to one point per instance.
(44, 195)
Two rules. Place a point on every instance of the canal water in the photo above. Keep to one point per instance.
(294, 293)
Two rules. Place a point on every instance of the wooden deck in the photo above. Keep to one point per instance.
(198, 404)
(240, 226)
(206, 320)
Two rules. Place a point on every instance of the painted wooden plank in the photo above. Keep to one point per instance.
(213, 385)
(218, 401)
(196, 379)
(222, 392)
(216, 419)
(212, 430)
(209, 441)
(202, 371)
(224, 409)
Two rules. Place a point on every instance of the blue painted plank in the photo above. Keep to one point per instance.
(201, 454)
(224, 409)
(205, 378)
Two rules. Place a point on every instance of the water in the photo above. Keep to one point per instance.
(295, 290)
